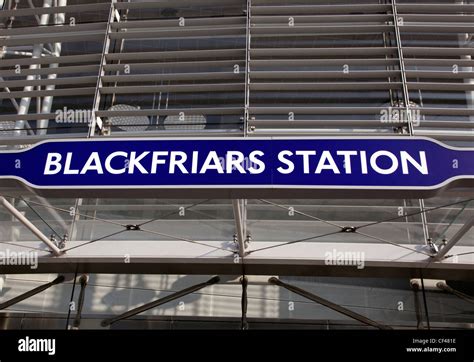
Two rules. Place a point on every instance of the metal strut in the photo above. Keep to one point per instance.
(456, 237)
(327, 303)
(77, 320)
(156, 303)
(12, 210)
(31, 293)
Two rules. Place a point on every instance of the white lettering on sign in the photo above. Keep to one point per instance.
(381, 162)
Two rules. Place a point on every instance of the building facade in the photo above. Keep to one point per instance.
(233, 68)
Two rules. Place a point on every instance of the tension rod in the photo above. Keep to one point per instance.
(77, 320)
(156, 303)
(244, 302)
(31, 293)
(327, 303)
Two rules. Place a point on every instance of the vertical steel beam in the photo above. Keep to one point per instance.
(247, 68)
(48, 100)
(37, 51)
(239, 225)
(406, 99)
(97, 122)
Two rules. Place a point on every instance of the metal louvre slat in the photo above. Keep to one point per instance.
(218, 87)
(143, 78)
(441, 86)
(441, 51)
(181, 54)
(87, 58)
(322, 51)
(284, 110)
(185, 32)
(435, 8)
(52, 29)
(176, 3)
(174, 23)
(57, 81)
(385, 62)
(356, 123)
(315, 19)
(46, 71)
(138, 112)
(56, 9)
(439, 74)
(314, 29)
(316, 110)
(261, 9)
(44, 38)
(44, 93)
(328, 123)
(274, 87)
(174, 65)
(437, 28)
(438, 18)
(322, 74)
(170, 111)
(439, 62)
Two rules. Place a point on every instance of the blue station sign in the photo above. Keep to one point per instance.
(231, 167)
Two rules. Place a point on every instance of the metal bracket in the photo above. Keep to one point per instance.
(240, 224)
(456, 237)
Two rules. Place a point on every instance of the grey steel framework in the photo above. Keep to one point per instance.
(182, 68)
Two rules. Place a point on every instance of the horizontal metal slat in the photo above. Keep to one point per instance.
(44, 82)
(229, 87)
(173, 23)
(64, 59)
(275, 87)
(315, 29)
(294, 63)
(55, 70)
(56, 9)
(176, 4)
(327, 52)
(173, 76)
(323, 74)
(441, 86)
(173, 112)
(191, 32)
(272, 9)
(181, 54)
(45, 93)
(175, 65)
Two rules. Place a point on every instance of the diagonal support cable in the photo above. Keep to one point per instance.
(31, 293)
(156, 303)
(414, 213)
(302, 214)
(393, 243)
(336, 307)
(293, 242)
